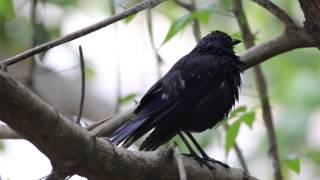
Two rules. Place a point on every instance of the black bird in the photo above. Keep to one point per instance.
(196, 94)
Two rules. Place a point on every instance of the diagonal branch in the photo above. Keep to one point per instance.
(8, 133)
(72, 150)
(69, 37)
(278, 12)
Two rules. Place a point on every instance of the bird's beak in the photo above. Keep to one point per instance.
(235, 42)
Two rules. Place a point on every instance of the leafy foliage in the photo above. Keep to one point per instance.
(246, 117)
(181, 23)
(292, 163)
(6, 9)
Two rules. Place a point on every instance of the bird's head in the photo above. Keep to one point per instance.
(217, 41)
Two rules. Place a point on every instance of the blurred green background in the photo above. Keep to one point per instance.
(293, 77)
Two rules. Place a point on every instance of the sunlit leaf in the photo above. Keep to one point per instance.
(248, 118)
(6, 9)
(292, 164)
(128, 98)
(231, 135)
(181, 23)
(203, 14)
(237, 110)
(177, 26)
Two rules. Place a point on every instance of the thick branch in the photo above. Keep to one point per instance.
(311, 10)
(278, 12)
(82, 32)
(72, 150)
(8, 133)
(278, 45)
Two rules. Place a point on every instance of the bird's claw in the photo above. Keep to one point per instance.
(207, 161)
(217, 162)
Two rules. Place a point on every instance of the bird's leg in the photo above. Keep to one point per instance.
(193, 154)
(203, 153)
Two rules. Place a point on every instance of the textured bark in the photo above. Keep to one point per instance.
(73, 150)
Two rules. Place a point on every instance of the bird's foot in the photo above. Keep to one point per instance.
(217, 162)
(207, 161)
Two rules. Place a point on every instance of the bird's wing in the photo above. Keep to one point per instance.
(185, 84)
(165, 104)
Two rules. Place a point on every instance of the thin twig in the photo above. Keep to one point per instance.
(118, 64)
(95, 124)
(33, 17)
(83, 85)
(278, 12)
(178, 157)
(82, 32)
(159, 59)
(195, 24)
(268, 121)
(261, 86)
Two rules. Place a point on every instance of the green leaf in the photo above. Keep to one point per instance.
(231, 136)
(6, 9)
(128, 98)
(248, 118)
(292, 164)
(177, 26)
(203, 14)
(181, 23)
(237, 110)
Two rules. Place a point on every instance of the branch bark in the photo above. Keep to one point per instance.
(72, 150)
(278, 12)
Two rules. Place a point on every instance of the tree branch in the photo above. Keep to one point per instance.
(262, 89)
(72, 150)
(7, 133)
(311, 10)
(278, 12)
(69, 37)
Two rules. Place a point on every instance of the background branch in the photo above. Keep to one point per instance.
(83, 85)
(69, 37)
(159, 60)
(261, 84)
(278, 12)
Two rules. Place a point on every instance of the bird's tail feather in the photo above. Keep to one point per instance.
(126, 130)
